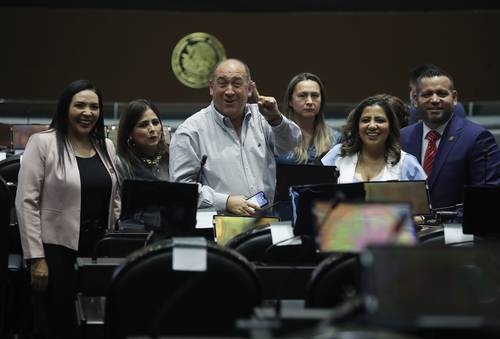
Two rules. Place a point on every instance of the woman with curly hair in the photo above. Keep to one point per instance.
(370, 149)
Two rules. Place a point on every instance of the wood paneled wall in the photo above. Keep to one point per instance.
(127, 53)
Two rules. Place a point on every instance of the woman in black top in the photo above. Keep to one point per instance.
(66, 198)
(142, 147)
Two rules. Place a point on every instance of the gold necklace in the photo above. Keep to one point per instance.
(152, 161)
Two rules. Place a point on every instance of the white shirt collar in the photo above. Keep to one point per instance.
(440, 129)
(223, 120)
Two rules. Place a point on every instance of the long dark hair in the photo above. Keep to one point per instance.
(352, 143)
(128, 120)
(60, 121)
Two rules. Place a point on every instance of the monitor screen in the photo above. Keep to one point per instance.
(227, 227)
(480, 215)
(292, 175)
(304, 197)
(480, 210)
(165, 207)
(414, 192)
(351, 227)
(432, 287)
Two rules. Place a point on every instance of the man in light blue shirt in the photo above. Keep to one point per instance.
(239, 140)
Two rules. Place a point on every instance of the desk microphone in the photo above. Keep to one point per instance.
(202, 164)
(445, 213)
(448, 207)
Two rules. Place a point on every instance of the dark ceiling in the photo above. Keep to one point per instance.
(265, 5)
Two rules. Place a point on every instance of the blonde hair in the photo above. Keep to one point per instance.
(322, 141)
(322, 136)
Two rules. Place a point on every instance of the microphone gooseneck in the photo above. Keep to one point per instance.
(451, 207)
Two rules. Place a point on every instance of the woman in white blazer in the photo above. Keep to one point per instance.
(370, 149)
(66, 197)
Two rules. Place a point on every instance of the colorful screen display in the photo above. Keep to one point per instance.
(227, 227)
(351, 227)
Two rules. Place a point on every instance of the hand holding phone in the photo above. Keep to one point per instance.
(259, 199)
(238, 205)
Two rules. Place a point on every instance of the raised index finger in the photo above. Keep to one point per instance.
(254, 97)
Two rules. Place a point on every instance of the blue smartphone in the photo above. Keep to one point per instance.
(259, 199)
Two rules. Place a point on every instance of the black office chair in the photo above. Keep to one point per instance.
(432, 238)
(148, 297)
(257, 246)
(335, 280)
(14, 303)
(253, 244)
(9, 168)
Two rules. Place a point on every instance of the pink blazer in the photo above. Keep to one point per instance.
(48, 199)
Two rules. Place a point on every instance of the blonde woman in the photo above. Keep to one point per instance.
(304, 103)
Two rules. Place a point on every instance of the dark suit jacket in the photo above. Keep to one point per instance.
(467, 155)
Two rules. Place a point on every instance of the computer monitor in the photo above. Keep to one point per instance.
(293, 175)
(165, 207)
(304, 197)
(432, 287)
(415, 192)
(480, 215)
(227, 227)
(351, 227)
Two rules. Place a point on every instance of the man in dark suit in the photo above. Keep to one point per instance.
(413, 76)
(453, 151)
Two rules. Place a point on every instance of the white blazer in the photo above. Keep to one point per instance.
(407, 168)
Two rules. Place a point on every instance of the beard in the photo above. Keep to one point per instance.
(435, 119)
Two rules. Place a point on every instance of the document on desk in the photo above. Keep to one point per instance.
(205, 219)
(453, 234)
(282, 235)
